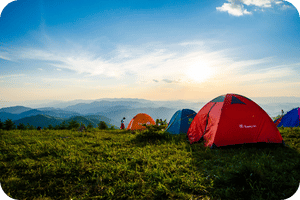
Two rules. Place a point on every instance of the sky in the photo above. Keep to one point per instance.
(148, 49)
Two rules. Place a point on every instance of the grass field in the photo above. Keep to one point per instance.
(116, 164)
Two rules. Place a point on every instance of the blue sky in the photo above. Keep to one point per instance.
(156, 50)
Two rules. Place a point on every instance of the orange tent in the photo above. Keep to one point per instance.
(138, 120)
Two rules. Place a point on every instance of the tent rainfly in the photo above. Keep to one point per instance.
(181, 121)
(137, 122)
(290, 119)
(233, 119)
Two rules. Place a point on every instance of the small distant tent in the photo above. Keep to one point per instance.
(290, 119)
(137, 122)
(233, 119)
(181, 121)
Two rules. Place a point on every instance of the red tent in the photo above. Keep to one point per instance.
(233, 119)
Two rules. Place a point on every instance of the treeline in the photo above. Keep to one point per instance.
(161, 122)
(71, 125)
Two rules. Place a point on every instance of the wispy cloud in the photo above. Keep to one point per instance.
(153, 63)
(263, 75)
(285, 7)
(258, 3)
(70, 80)
(195, 42)
(11, 76)
(256, 81)
(4, 57)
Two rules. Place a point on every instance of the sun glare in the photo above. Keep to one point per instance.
(199, 72)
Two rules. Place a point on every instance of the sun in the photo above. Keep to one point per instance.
(199, 72)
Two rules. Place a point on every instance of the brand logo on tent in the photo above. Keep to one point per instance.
(245, 126)
(148, 123)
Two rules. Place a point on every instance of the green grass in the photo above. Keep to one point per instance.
(117, 164)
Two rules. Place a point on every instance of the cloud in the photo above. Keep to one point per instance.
(285, 7)
(258, 3)
(237, 7)
(167, 81)
(234, 8)
(145, 64)
(254, 77)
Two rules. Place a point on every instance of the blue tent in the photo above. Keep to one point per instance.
(291, 118)
(181, 121)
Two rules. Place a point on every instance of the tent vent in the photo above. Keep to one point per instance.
(218, 99)
(235, 100)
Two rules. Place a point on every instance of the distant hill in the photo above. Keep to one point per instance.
(32, 112)
(45, 120)
(105, 105)
(40, 120)
(118, 113)
(58, 112)
(100, 106)
(4, 116)
(15, 109)
(29, 113)
(98, 118)
(64, 104)
(84, 120)
(60, 104)
(93, 120)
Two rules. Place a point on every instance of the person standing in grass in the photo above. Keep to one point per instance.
(122, 123)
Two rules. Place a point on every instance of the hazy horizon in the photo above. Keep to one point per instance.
(156, 50)
(258, 100)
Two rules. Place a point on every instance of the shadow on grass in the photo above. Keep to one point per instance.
(249, 171)
(146, 137)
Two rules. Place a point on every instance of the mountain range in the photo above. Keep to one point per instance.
(19, 112)
(113, 110)
(45, 120)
